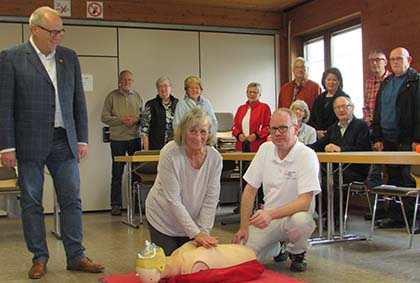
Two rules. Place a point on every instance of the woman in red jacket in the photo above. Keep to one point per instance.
(252, 120)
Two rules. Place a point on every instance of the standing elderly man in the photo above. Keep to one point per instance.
(43, 122)
(288, 172)
(300, 88)
(121, 112)
(396, 126)
(377, 64)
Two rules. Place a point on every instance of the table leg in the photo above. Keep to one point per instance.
(340, 193)
(330, 195)
(56, 229)
(130, 205)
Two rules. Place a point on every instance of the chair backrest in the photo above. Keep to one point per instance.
(8, 179)
(146, 167)
(7, 173)
(415, 171)
(225, 120)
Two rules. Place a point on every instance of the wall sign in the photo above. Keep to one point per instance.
(94, 9)
(63, 7)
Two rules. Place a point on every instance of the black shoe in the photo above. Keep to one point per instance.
(116, 211)
(380, 214)
(298, 262)
(283, 254)
(389, 223)
(416, 228)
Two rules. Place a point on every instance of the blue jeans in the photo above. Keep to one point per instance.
(119, 148)
(64, 171)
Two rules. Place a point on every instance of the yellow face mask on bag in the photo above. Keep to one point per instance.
(155, 259)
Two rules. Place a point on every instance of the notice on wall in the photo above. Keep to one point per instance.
(63, 7)
(95, 9)
(87, 82)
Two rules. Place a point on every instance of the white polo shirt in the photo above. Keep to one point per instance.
(284, 180)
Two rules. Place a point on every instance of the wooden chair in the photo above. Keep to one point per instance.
(8, 182)
(399, 192)
(146, 173)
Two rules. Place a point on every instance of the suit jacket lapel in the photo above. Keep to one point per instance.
(34, 59)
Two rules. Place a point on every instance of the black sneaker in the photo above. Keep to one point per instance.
(283, 254)
(116, 211)
(298, 262)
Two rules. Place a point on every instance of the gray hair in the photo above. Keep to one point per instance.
(377, 51)
(162, 79)
(347, 97)
(302, 104)
(122, 73)
(196, 117)
(302, 60)
(37, 16)
(288, 111)
(255, 84)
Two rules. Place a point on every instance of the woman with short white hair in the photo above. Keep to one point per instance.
(307, 134)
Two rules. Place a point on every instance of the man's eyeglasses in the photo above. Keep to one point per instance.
(339, 107)
(53, 32)
(376, 60)
(282, 129)
(396, 59)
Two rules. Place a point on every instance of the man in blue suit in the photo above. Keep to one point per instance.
(43, 122)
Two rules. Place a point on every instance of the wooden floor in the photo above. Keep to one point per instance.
(386, 259)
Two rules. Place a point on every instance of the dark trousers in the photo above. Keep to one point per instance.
(168, 243)
(119, 148)
(349, 176)
(399, 175)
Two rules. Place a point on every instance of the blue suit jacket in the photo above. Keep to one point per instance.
(27, 101)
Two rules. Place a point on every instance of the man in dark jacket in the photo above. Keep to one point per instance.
(348, 134)
(396, 126)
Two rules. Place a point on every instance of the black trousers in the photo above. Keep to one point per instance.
(399, 175)
(119, 148)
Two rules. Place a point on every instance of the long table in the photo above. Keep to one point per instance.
(390, 157)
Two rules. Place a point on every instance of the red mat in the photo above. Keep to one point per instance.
(267, 277)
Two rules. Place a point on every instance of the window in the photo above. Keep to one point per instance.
(314, 54)
(346, 55)
(342, 48)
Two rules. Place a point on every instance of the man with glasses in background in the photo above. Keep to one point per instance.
(288, 172)
(396, 127)
(348, 134)
(377, 65)
(43, 122)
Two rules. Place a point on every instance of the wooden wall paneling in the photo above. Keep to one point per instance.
(151, 12)
(150, 54)
(229, 62)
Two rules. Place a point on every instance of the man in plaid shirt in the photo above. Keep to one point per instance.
(377, 63)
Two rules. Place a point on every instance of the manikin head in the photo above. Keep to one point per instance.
(150, 263)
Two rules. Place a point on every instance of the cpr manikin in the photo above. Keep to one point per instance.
(152, 264)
